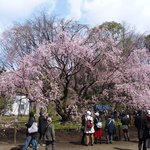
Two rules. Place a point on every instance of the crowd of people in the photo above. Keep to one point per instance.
(97, 127)
(142, 123)
(45, 130)
(92, 128)
(103, 125)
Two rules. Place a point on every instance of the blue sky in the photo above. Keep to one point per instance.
(135, 13)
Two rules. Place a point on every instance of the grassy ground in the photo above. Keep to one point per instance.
(6, 120)
(21, 120)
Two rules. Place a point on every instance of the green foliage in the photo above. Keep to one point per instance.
(113, 29)
(2, 103)
(124, 36)
(5, 104)
(51, 110)
(57, 124)
(118, 123)
(7, 118)
(112, 26)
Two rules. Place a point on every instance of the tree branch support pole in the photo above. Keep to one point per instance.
(15, 130)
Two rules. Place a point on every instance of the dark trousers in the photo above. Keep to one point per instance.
(142, 144)
(48, 143)
(41, 138)
(83, 138)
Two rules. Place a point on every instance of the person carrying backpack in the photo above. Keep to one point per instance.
(89, 129)
(110, 129)
(125, 126)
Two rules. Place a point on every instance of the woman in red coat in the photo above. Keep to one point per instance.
(98, 128)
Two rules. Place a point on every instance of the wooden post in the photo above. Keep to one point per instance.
(15, 133)
(15, 130)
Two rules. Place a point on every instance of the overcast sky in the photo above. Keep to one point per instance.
(135, 13)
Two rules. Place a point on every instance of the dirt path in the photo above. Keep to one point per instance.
(117, 145)
(70, 140)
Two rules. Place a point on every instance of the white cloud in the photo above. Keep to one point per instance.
(133, 12)
(15, 10)
(94, 12)
(75, 8)
(18, 8)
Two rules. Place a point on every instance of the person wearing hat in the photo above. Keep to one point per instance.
(89, 129)
(98, 128)
(49, 135)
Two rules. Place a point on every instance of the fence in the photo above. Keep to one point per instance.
(10, 125)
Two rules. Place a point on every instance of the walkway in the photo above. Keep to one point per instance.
(117, 145)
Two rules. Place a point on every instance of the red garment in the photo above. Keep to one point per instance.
(98, 133)
(148, 118)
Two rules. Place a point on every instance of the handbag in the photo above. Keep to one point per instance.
(99, 124)
(33, 128)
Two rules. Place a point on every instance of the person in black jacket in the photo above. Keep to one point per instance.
(82, 129)
(125, 126)
(146, 135)
(42, 121)
(31, 137)
(140, 124)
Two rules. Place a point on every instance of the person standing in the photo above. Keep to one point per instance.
(125, 120)
(42, 122)
(31, 137)
(82, 129)
(140, 124)
(147, 130)
(98, 128)
(49, 135)
(89, 129)
(110, 129)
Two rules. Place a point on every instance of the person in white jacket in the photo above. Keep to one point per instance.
(89, 129)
